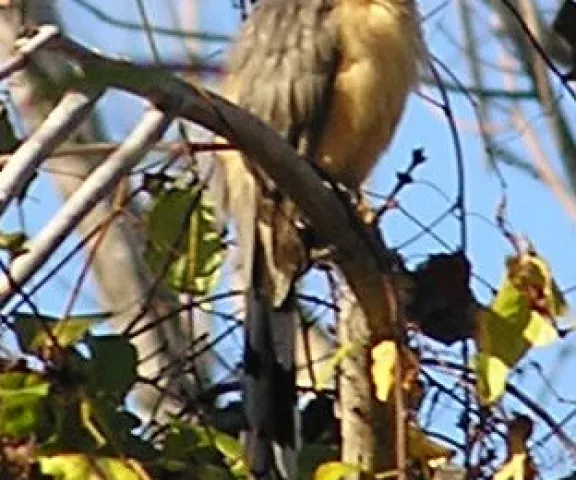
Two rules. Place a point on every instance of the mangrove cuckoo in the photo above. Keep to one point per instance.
(332, 77)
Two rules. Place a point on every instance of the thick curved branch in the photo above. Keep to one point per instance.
(361, 256)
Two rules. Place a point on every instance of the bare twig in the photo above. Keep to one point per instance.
(27, 47)
(93, 190)
(69, 113)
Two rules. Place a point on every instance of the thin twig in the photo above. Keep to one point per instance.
(92, 191)
(64, 119)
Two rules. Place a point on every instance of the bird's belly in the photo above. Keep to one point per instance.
(378, 69)
(366, 108)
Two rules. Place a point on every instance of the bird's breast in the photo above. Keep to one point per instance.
(378, 69)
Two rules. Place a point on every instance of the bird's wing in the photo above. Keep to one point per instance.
(283, 65)
(282, 70)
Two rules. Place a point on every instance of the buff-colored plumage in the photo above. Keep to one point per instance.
(380, 49)
(331, 76)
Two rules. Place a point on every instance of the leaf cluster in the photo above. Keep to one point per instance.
(63, 403)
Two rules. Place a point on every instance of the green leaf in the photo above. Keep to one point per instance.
(313, 454)
(32, 330)
(183, 243)
(228, 446)
(185, 441)
(180, 442)
(519, 318)
(84, 467)
(87, 423)
(491, 377)
(232, 451)
(211, 472)
(22, 397)
(112, 367)
(335, 470)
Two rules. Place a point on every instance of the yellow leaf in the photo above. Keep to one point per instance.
(384, 360)
(335, 470)
(539, 332)
(384, 357)
(491, 376)
(530, 274)
(518, 465)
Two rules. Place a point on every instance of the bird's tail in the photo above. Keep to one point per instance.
(270, 257)
(270, 386)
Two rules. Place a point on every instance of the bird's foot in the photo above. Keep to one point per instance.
(361, 205)
(365, 211)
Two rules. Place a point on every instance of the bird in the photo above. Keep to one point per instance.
(332, 78)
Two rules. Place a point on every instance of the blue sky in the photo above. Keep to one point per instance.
(532, 209)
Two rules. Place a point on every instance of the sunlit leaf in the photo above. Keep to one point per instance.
(230, 448)
(84, 467)
(531, 275)
(518, 465)
(539, 332)
(184, 441)
(183, 243)
(520, 317)
(491, 377)
(335, 470)
(513, 469)
(21, 402)
(384, 358)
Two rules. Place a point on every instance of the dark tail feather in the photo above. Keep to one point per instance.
(270, 388)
